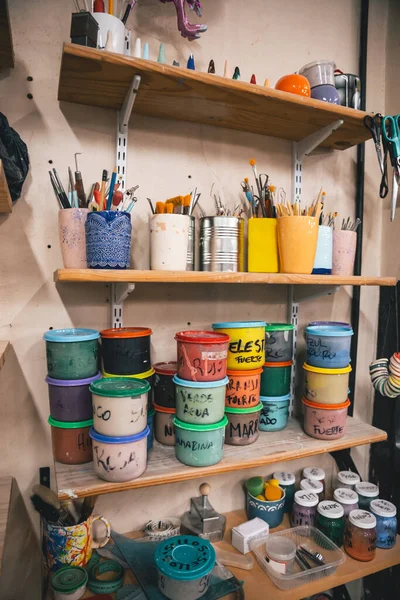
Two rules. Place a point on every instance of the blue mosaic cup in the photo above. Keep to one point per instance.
(269, 511)
(108, 239)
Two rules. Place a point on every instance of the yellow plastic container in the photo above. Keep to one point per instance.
(247, 346)
(297, 243)
(263, 246)
(326, 386)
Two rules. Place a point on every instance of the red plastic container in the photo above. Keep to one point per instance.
(202, 355)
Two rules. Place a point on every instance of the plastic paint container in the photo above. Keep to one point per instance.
(326, 386)
(164, 430)
(243, 425)
(347, 479)
(366, 493)
(70, 400)
(275, 412)
(330, 520)
(330, 324)
(360, 535)
(325, 421)
(386, 523)
(347, 498)
(247, 345)
(200, 403)
(278, 342)
(314, 486)
(119, 406)
(281, 553)
(148, 376)
(269, 511)
(150, 425)
(304, 509)
(119, 458)
(199, 445)
(126, 351)
(328, 347)
(164, 387)
(243, 389)
(72, 353)
(287, 482)
(71, 442)
(275, 378)
(202, 355)
(184, 564)
(69, 583)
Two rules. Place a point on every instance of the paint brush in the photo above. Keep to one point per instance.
(253, 164)
(49, 497)
(47, 511)
(111, 193)
(127, 11)
(151, 206)
(103, 190)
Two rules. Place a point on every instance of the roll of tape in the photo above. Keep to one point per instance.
(162, 529)
(101, 586)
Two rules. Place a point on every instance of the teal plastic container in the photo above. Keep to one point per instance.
(275, 378)
(72, 353)
(200, 402)
(199, 445)
(275, 412)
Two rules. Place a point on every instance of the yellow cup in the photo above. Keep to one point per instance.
(263, 246)
(297, 243)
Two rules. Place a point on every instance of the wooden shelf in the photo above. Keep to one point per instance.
(6, 45)
(4, 347)
(98, 78)
(292, 443)
(133, 276)
(5, 198)
(5, 499)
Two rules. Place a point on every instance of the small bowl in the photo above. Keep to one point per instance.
(325, 93)
(269, 511)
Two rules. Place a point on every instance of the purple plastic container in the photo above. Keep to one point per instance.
(70, 399)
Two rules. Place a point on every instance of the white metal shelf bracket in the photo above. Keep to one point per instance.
(123, 117)
(119, 293)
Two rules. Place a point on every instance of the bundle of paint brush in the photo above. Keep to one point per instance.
(262, 203)
(295, 210)
(349, 225)
(328, 220)
(63, 514)
(178, 205)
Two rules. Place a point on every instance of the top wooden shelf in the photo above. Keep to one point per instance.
(98, 78)
(6, 44)
(5, 198)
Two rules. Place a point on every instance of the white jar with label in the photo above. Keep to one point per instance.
(315, 474)
(366, 493)
(347, 479)
(317, 487)
(280, 553)
(347, 498)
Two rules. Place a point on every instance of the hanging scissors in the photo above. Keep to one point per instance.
(374, 126)
(391, 135)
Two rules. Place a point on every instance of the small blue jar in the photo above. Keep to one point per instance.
(386, 523)
(275, 412)
(108, 239)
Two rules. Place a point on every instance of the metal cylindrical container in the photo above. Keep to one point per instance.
(222, 244)
(190, 260)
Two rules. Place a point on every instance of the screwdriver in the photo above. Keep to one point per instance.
(79, 184)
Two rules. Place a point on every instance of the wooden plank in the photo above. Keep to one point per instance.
(4, 347)
(80, 480)
(6, 45)
(136, 276)
(5, 198)
(98, 78)
(5, 498)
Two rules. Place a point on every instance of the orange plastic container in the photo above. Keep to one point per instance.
(243, 389)
(297, 243)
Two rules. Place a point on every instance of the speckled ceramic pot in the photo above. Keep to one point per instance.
(71, 229)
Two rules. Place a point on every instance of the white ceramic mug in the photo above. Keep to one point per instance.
(109, 23)
(344, 252)
(71, 228)
(169, 236)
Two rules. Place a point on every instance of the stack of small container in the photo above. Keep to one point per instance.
(327, 372)
(72, 366)
(276, 376)
(200, 385)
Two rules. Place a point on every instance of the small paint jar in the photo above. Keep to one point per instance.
(243, 425)
(287, 482)
(360, 535)
(347, 498)
(199, 445)
(328, 347)
(317, 487)
(72, 353)
(386, 523)
(270, 511)
(347, 479)
(325, 421)
(201, 402)
(150, 425)
(247, 344)
(304, 508)
(326, 386)
(275, 413)
(202, 355)
(330, 520)
(70, 399)
(164, 430)
(119, 458)
(71, 442)
(119, 406)
(281, 553)
(69, 583)
(315, 474)
(275, 378)
(366, 493)
(108, 239)
(164, 386)
(126, 351)
(243, 389)
(147, 375)
(184, 564)
(278, 342)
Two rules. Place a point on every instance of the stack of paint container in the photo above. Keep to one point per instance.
(327, 379)
(72, 365)
(246, 355)
(200, 397)
(126, 352)
(276, 376)
(164, 403)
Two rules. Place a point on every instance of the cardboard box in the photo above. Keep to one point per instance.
(245, 533)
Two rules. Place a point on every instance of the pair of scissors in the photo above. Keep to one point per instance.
(374, 126)
(391, 136)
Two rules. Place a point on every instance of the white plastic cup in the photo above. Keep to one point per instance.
(344, 252)
(169, 235)
(109, 23)
(323, 257)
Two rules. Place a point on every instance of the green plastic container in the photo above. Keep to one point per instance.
(199, 445)
(330, 520)
(72, 353)
(275, 378)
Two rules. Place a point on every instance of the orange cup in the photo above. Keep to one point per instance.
(297, 243)
(243, 389)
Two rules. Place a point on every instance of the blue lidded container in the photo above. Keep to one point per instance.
(72, 353)
(386, 523)
(328, 346)
(184, 564)
(275, 412)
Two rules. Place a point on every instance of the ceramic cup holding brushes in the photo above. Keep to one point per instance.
(71, 228)
(108, 239)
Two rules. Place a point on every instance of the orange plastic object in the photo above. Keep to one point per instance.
(295, 84)
(272, 493)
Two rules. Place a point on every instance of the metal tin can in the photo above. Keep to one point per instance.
(190, 260)
(222, 244)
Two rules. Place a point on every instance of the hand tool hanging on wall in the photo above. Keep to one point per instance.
(391, 135)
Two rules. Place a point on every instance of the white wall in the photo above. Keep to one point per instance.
(266, 37)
